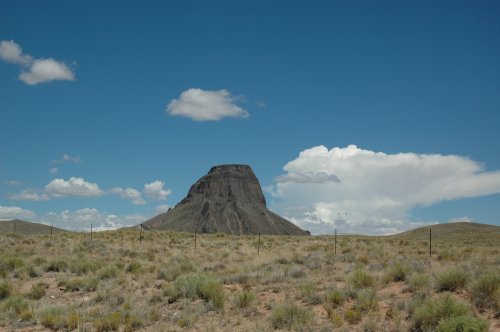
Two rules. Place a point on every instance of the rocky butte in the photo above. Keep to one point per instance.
(228, 199)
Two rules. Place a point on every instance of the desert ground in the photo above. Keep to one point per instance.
(116, 281)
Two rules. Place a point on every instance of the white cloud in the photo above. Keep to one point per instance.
(201, 105)
(73, 187)
(129, 193)
(10, 51)
(54, 170)
(38, 70)
(372, 192)
(80, 220)
(155, 190)
(29, 195)
(15, 212)
(162, 208)
(12, 183)
(67, 158)
(462, 219)
(45, 70)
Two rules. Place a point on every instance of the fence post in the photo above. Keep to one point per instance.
(91, 231)
(430, 242)
(335, 242)
(140, 235)
(51, 227)
(195, 231)
(14, 227)
(258, 246)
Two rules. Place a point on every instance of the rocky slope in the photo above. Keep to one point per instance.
(228, 199)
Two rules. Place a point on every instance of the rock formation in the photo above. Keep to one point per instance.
(228, 199)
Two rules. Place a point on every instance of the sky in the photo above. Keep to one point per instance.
(367, 117)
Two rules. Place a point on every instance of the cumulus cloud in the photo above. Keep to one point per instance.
(15, 212)
(362, 191)
(155, 190)
(29, 195)
(67, 158)
(45, 70)
(80, 220)
(201, 105)
(73, 187)
(36, 70)
(129, 193)
(13, 53)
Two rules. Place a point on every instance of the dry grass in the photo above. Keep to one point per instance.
(115, 283)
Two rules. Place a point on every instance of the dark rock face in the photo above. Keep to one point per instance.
(229, 200)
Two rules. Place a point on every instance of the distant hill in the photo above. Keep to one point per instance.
(459, 231)
(25, 227)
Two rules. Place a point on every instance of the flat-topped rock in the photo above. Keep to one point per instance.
(228, 199)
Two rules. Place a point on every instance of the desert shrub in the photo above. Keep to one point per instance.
(133, 322)
(371, 325)
(5, 290)
(419, 283)
(352, 316)
(56, 265)
(197, 285)
(485, 289)
(134, 267)
(108, 272)
(366, 300)
(83, 267)
(334, 298)
(335, 319)
(307, 292)
(77, 284)
(19, 306)
(52, 317)
(297, 272)
(14, 263)
(361, 279)
(313, 261)
(32, 271)
(290, 316)
(463, 324)
(4, 270)
(451, 280)
(175, 267)
(427, 316)
(37, 291)
(109, 322)
(398, 272)
(244, 298)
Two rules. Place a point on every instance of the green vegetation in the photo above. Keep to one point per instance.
(486, 291)
(244, 298)
(290, 316)
(428, 316)
(115, 283)
(463, 324)
(451, 280)
(5, 290)
(197, 285)
(361, 279)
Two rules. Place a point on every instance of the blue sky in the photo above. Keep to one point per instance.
(397, 99)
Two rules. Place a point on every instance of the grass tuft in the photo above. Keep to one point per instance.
(290, 316)
(428, 315)
(197, 285)
(451, 280)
